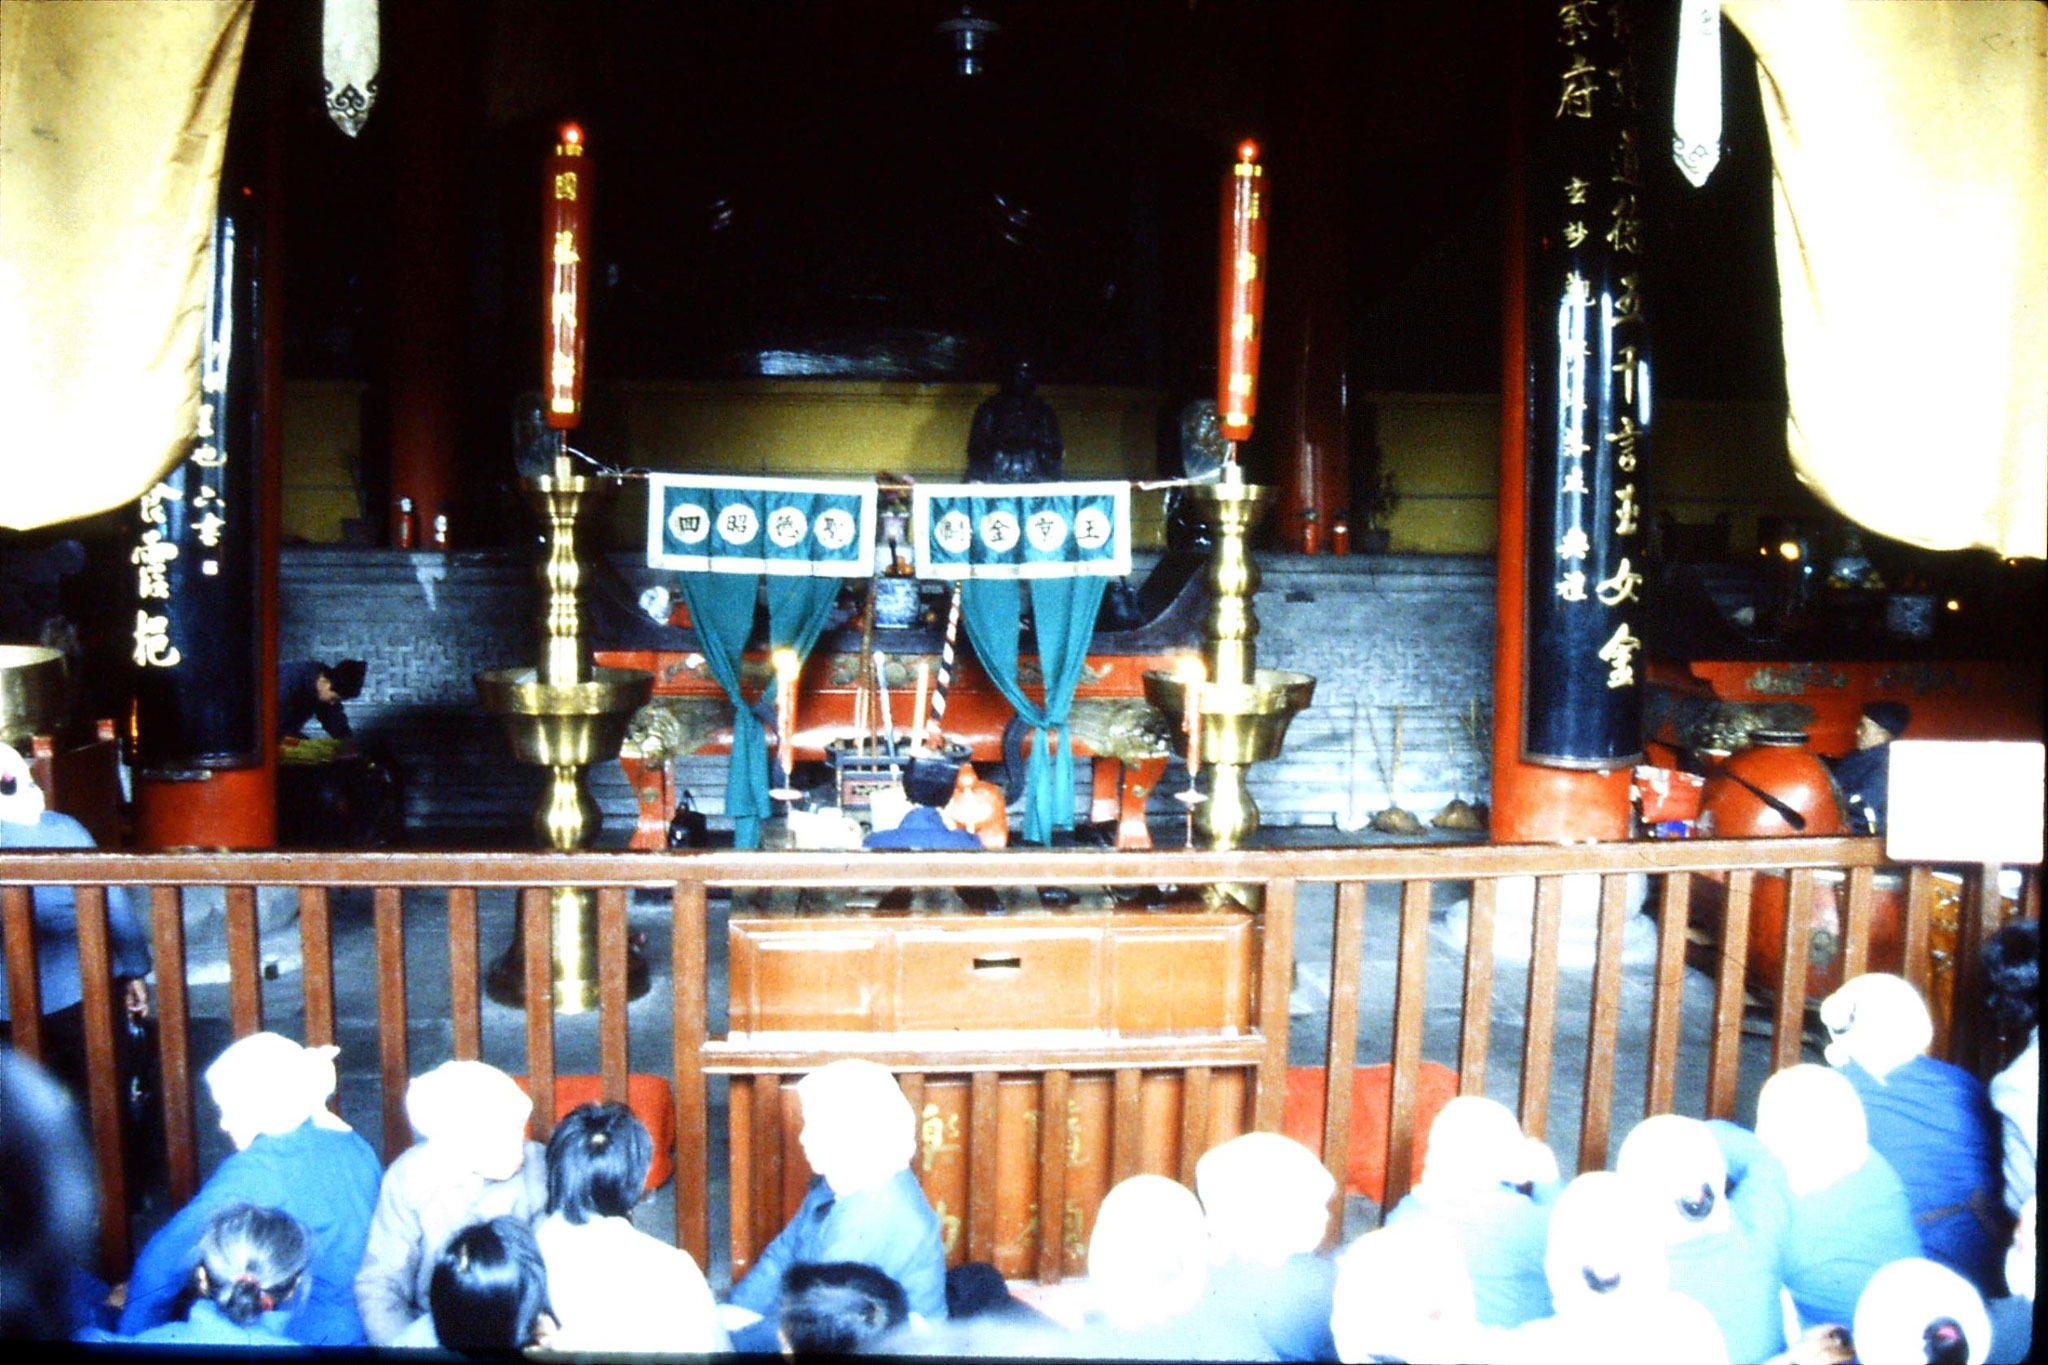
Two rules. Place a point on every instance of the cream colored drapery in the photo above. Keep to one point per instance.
(113, 117)
(1910, 147)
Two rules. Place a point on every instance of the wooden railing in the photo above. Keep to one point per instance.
(1275, 875)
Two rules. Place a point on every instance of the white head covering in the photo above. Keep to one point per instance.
(1683, 1178)
(1812, 1120)
(1476, 1143)
(1265, 1196)
(1878, 1021)
(1603, 1242)
(24, 804)
(1405, 1292)
(858, 1128)
(1907, 1299)
(1148, 1253)
(268, 1084)
(458, 1102)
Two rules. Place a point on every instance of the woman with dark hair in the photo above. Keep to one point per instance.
(2012, 972)
(837, 1308)
(488, 1292)
(614, 1287)
(251, 1270)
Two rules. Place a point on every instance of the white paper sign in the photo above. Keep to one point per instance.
(1954, 801)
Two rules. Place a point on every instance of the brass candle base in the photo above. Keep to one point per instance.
(573, 948)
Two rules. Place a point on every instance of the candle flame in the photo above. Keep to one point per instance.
(784, 662)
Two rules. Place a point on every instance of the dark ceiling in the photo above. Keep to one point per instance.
(813, 188)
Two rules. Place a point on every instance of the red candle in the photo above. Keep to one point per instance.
(565, 236)
(1242, 304)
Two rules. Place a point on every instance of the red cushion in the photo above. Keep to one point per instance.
(1372, 1089)
(647, 1096)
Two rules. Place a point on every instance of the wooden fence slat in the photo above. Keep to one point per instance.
(387, 916)
(537, 932)
(1724, 1043)
(1276, 971)
(1858, 910)
(911, 1083)
(1475, 1027)
(1915, 934)
(611, 992)
(1667, 998)
(24, 988)
(1788, 1017)
(766, 1144)
(1194, 1120)
(1410, 997)
(102, 1080)
(174, 1041)
(1052, 1176)
(1539, 1028)
(982, 1124)
(316, 972)
(739, 1133)
(465, 1000)
(1123, 1124)
(1603, 1024)
(693, 1131)
(245, 962)
(1340, 1051)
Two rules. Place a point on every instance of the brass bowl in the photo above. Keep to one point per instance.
(33, 690)
(581, 723)
(1239, 724)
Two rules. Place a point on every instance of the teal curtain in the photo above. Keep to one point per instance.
(1063, 610)
(722, 612)
(797, 611)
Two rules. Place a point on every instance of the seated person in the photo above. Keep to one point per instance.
(291, 1154)
(1932, 1121)
(1864, 774)
(2012, 969)
(1849, 1213)
(310, 689)
(1722, 1252)
(248, 1271)
(1266, 1204)
(614, 1288)
(1919, 1311)
(1492, 1189)
(2012, 1317)
(1610, 1285)
(863, 1204)
(473, 1163)
(928, 784)
(837, 1308)
(49, 1193)
(1402, 1294)
(488, 1292)
(1148, 1279)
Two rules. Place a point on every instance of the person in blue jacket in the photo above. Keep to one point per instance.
(929, 785)
(292, 1155)
(249, 1270)
(1492, 1189)
(1932, 1121)
(864, 1204)
(1849, 1212)
(1266, 1204)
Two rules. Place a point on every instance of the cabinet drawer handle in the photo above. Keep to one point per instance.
(993, 962)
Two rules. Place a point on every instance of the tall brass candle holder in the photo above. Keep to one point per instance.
(1243, 710)
(564, 716)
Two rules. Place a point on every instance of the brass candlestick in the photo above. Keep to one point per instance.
(1244, 709)
(564, 715)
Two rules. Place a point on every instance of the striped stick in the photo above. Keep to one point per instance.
(945, 678)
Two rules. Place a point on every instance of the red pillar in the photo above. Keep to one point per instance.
(1531, 804)
(1306, 348)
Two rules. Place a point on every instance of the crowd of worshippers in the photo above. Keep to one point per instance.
(1881, 1209)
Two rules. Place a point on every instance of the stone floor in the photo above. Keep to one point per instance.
(429, 1039)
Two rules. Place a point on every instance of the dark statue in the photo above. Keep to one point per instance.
(1015, 437)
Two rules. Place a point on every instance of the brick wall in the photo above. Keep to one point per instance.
(1377, 632)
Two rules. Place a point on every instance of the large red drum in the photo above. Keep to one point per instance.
(1775, 787)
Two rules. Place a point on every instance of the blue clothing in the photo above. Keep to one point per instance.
(1934, 1123)
(1502, 1233)
(1865, 779)
(889, 1226)
(1842, 1235)
(923, 829)
(1736, 1274)
(56, 919)
(298, 700)
(1287, 1305)
(208, 1326)
(325, 1178)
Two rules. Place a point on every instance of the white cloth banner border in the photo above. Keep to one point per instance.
(797, 528)
(1075, 530)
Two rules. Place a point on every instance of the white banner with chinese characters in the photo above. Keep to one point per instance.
(717, 523)
(1021, 530)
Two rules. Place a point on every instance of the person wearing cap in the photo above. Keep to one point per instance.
(1920, 1311)
(1864, 775)
(1931, 1120)
(309, 689)
(1149, 1275)
(929, 784)
(1266, 1205)
(864, 1204)
(291, 1154)
(473, 1163)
